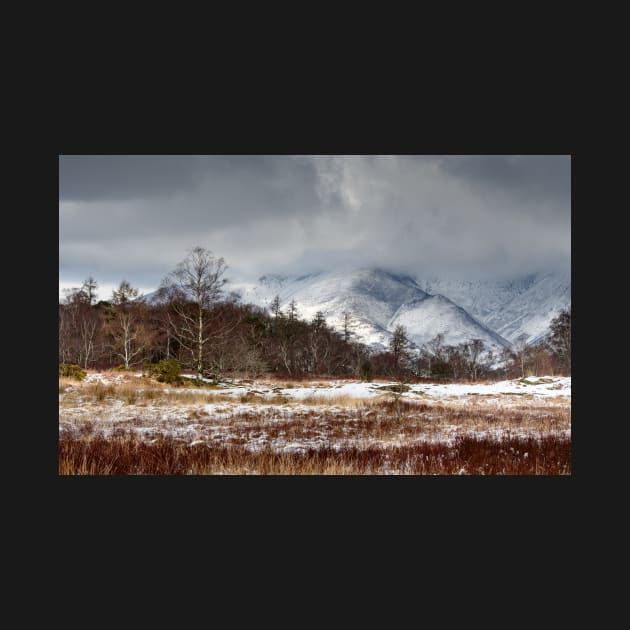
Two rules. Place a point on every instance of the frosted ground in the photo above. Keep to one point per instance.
(287, 416)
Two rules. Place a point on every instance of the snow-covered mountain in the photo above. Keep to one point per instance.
(497, 312)
(377, 302)
(371, 296)
(424, 319)
(521, 306)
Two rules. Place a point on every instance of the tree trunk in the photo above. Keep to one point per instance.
(200, 345)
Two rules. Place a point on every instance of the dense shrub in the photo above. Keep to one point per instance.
(366, 371)
(70, 370)
(166, 371)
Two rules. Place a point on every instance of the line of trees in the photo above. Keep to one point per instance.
(212, 334)
(473, 360)
(194, 322)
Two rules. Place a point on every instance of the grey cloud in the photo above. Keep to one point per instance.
(134, 177)
(540, 177)
(124, 177)
(143, 197)
(134, 217)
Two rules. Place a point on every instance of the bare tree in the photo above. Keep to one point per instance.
(285, 348)
(289, 330)
(69, 340)
(129, 338)
(472, 351)
(87, 333)
(398, 345)
(454, 361)
(519, 348)
(194, 289)
(245, 354)
(128, 334)
(539, 359)
(63, 334)
(433, 352)
(79, 325)
(507, 358)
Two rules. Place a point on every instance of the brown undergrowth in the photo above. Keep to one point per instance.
(121, 427)
(126, 454)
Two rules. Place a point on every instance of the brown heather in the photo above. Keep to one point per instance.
(126, 454)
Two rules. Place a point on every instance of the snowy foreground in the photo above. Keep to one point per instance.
(291, 417)
(501, 392)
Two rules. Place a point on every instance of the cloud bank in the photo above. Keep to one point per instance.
(135, 217)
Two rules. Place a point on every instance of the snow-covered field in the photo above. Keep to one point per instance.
(294, 417)
(538, 386)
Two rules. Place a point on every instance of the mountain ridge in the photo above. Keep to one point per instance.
(496, 311)
(523, 305)
(377, 301)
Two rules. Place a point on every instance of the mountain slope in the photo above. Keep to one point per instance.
(497, 312)
(377, 301)
(521, 306)
(371, 296)
(424, 319)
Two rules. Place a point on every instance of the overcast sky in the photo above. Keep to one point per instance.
(136, 217)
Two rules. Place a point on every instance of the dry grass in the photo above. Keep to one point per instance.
(338, 400)
(320, 434)
(430, 431)
(126, 454)
(131, 392)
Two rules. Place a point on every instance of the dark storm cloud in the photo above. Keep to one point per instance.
(541, 177)
(136, 177)
(134, 217)
(148, 196)
(124, 177)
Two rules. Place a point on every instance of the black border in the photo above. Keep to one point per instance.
(302, 507)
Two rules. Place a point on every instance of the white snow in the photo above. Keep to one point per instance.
(435, 315)
(558, 386)
(521, 305)
(536, 386)
(544, 386)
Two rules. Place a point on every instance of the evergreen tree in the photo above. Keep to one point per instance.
(559, 341)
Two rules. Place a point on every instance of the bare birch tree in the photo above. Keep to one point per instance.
(519, 348)
(193, 289)
(87, 333)
(472, 352)
(129, 337)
